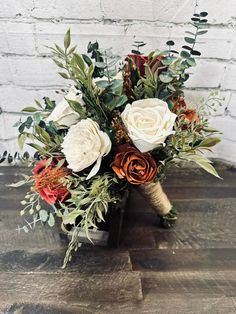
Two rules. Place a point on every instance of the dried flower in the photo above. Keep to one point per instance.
(136, 167)
(48, 183)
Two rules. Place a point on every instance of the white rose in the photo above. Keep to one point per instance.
(149, 122)
(63, 114)
(85, 144)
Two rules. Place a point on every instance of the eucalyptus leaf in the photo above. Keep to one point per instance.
(165, 78)
(43, 215)
(51, 220)
(189, 40)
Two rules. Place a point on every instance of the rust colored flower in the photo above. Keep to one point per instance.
(190, 116)
(179, 103)
(136, 167)
(47, 182)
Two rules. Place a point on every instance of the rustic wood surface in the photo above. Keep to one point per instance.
(186, 270)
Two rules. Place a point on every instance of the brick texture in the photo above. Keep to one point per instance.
(27, 73)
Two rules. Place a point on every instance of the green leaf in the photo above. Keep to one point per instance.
(64, 75)
(185, 54)
(195, 19)
(209, 142)
(59, 49)
(202, 32)
(189, 40)
(190, 33)
(71, 217)
(59, 64)
(191, 61)
(102, 83)
(195, 53)
(208, 167)
(43, 215)
(51, 220)
(210, 130)
(79, 61)
(29, 109)
(100, 65)
(61, 163)
(170, 43)
(187, 48)
(21, 140)
(203, 14)
(67, 39)
(165, 78)
(87, 59)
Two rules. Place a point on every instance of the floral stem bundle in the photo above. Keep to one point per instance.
(156, 197)
(119, 125)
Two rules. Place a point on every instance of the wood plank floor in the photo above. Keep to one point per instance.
(186, 270)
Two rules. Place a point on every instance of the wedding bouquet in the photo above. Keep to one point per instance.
(122, 124)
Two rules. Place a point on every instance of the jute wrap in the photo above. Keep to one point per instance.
(156, 197)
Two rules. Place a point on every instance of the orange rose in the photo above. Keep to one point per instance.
(190, 116)
(136, 167)
(179, 103)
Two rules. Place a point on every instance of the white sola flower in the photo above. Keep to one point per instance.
(85, 144)
(63, 114)
(149, 122)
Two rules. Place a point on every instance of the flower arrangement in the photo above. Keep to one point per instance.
(122, 124)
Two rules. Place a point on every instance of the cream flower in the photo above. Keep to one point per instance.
(149, 122)
(63, 114)
(84, 145)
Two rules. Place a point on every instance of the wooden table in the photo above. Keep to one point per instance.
(189, 269)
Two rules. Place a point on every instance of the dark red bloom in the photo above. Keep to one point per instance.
(47, 182)
(139, 61)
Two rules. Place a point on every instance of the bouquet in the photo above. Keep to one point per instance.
(120, 124)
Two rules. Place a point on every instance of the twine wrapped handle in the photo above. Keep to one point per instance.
(156, 197)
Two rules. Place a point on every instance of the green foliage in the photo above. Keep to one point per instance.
(199, 23)
(138, 45)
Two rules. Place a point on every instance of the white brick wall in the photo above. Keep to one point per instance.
(27, 26)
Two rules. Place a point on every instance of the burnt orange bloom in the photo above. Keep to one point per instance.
(179, 103)
(190, 116)
(136, 167)
(47, 182)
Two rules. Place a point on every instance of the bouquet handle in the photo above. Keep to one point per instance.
(156, 197)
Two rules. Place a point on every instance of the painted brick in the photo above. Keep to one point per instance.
(5, 71)
(226, 125)
(35, 72)
(7, 131)
(17, 38)
(75, 9)
(232, 105)
(128, 10)
(14, 99)
(11, 146)
(179, 11)
(107, 35)
(206, 74)
(229, 80)
(15, 8)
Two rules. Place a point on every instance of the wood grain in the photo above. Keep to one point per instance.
(69, 289)
(190, 269)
